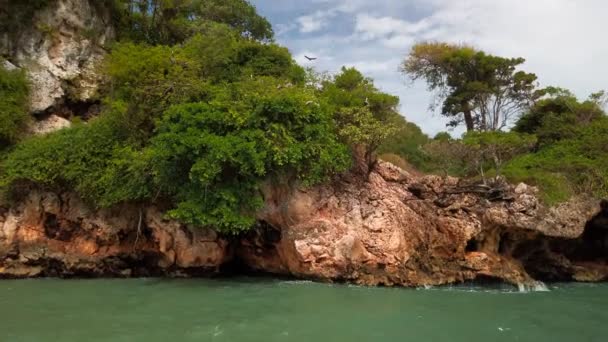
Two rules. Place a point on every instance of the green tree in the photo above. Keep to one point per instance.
(145, 80)
(171, 22)
(364, 116)
(91, 159)
(485, 92)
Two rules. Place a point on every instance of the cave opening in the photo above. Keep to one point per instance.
(594, 240)
(70, 109)
(51, 225)
(472, 246)
(259, 242)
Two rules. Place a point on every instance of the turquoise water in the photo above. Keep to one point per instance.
(273, 310)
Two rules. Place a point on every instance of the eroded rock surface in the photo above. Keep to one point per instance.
(397, 229)
(51, 124)
(392, 228)
(59, 235)
(61, 50)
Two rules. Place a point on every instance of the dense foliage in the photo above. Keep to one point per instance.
(202, 125)
(560, 145)
(572, 153)
(365, 117)
(212, 157)
(169, 22)
(13, 105)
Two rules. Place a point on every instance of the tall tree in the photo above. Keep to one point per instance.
(364, 116)
(485, 92)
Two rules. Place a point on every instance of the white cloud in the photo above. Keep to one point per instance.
(559, 38)
(562, 40)
(375, 67)
(370, 27)
(315, 22)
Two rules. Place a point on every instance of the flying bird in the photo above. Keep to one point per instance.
(310, 58)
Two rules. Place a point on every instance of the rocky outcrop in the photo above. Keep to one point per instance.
(59, 235)
(49, 124)
(392, 228)
(61, 49)
(397, 229)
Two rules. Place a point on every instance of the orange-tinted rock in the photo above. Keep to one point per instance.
(396, 229)
(387, 228)
(59, 235)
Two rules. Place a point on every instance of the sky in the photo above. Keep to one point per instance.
(563, 41)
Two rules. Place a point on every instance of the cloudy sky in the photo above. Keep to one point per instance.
(564, 41)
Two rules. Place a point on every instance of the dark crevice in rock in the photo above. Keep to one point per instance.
(70, 109)
(595, 237)
(472, 245)
(62, 231)
(556, 259)
(485, 280)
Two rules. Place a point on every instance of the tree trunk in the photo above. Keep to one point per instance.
(468, 119)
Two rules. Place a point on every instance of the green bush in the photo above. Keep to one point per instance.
(89, 158)
(13, 105)
(212, 157)
(569, 166)
(407, 142)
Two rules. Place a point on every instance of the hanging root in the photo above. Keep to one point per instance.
(138, 228)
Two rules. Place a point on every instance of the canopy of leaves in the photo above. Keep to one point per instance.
(558, 116)
(364, 116)
(91, 159)
(146, 80)
(211, 157)
(170, 22)
(13, 105)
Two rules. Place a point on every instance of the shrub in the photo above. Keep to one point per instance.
(570, 166)
(89, 158)
(13, 105)
(211, 157)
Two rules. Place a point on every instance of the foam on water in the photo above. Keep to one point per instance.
(535, 286)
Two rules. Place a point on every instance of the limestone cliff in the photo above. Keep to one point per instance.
(397, 229)
(60, 46)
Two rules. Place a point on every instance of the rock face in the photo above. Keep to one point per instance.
(58, 235)
(61, 50)
(389, 229)
(396, 229)
(50, 124)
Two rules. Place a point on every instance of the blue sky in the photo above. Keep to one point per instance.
(562, 40)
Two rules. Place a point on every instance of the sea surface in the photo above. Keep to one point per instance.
(249, 309)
